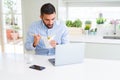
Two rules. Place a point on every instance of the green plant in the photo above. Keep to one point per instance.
(87, 27)
(15, 27)
(77, 23)
(10, 4)
(100, 19)
(69, 23)
(95, 29)
(88, 24)
(7, 20)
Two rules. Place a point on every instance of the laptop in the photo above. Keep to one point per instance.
(66, 54)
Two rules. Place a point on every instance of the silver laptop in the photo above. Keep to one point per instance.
(71, 53)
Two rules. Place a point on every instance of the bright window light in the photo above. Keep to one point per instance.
(91, 13)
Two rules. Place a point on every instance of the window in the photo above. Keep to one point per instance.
(12, 26)
(91, 13)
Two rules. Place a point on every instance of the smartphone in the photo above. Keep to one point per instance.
(37, 67)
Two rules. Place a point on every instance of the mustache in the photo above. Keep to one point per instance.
(49, 26)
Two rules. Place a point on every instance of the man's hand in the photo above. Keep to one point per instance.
(53, 43)
(36, 40)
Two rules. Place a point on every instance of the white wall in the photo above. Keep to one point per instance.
(30, 11)
(62, 10)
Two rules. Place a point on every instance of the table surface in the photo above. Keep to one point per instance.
(14, 67)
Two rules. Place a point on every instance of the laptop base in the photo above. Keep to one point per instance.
(52, 61)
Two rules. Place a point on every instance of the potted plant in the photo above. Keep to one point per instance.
(74, 27)
(93, 31)
(77, 23)
(100, 21)
(87, 26)
(69, 23)
(88, 23)
(16, 28)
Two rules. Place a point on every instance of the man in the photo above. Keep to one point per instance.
(46, 28)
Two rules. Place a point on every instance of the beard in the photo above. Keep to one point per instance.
(49, 26)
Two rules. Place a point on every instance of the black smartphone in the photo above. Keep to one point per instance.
(37, 67)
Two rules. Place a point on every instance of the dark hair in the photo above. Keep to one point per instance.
(47, 8)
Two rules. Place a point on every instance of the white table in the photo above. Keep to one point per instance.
(14, 67)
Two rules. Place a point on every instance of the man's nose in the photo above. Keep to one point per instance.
(50, 22)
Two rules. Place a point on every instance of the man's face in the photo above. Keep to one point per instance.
(48, 19)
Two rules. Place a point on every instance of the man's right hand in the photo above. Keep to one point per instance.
(36, 40)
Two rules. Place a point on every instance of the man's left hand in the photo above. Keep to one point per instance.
(53, 43)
